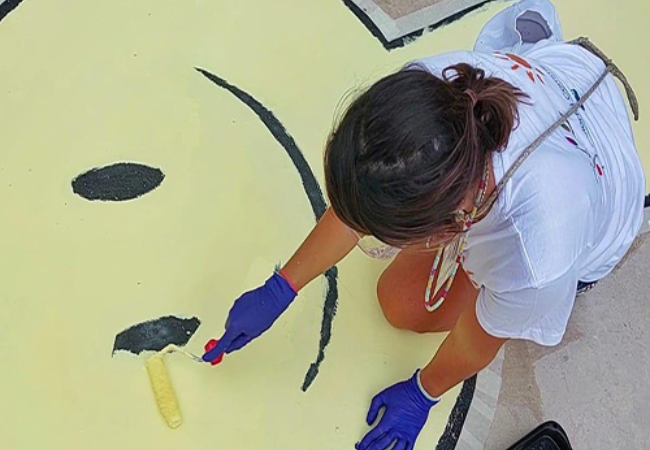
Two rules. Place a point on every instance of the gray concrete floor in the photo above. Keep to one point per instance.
(595, 384)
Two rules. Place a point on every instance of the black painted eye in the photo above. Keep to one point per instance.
(117, 182)
(154, 335)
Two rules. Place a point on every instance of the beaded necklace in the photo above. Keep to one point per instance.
(468, 221)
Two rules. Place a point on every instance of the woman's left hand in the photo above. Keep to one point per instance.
(406, 411)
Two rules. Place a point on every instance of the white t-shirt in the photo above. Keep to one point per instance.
(571, 211)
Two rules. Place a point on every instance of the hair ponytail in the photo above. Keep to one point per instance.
(491, 112)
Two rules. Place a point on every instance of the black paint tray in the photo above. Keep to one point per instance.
(547, 436)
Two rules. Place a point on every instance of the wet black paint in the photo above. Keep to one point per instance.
(449, 438)
(154, 335)
(329, 311)
(316, 200)
(7, 6)
(408, 38)
(647, 201)
(117, 182)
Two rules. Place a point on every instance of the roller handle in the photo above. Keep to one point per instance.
(212, 343)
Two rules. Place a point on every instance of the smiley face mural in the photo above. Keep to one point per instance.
(158, 159)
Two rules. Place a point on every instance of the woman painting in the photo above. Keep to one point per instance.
(499, 202)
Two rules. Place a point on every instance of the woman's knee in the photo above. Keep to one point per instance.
(398, 311)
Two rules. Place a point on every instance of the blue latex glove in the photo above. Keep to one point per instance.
(406, 411)
(252, 314)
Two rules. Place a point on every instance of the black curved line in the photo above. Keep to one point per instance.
(410, 37)
(329, 311)
(7, 6)
(309, 182)
(449, 438)
(316, 200)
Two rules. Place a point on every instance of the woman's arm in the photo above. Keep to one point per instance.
(255, 311)
(328, 243)
(466, 350)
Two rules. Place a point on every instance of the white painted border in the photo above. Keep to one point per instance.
(393, 29)
(484, 404)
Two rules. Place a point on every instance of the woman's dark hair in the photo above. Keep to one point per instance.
(407, 151)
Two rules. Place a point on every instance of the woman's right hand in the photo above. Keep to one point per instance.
(252, 314)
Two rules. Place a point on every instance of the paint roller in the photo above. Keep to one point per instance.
(161, 383)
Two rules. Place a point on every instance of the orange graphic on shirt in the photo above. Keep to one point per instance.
(520, 62)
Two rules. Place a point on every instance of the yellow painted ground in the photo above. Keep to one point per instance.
(86, 84)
